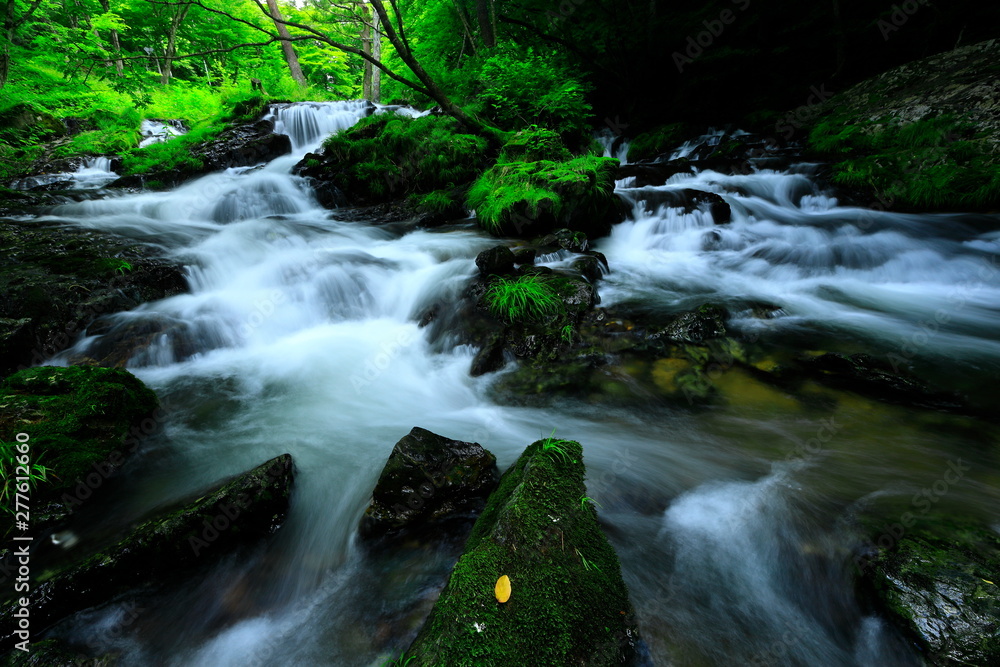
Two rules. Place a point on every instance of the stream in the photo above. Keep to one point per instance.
(733, 523)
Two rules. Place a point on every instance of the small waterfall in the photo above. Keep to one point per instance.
(158, 131)
(614, 145)
(308, 122)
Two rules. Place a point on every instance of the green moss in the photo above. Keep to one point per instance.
(522, 198)
(935, 163)
(438, 201)
(169, 155)
(568, 603)
(390, 156)
(534, 144)
(75, 417)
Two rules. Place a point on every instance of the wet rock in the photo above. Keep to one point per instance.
(865, 374)
(592, 266)
(56, 653)
(56, 282)
(696, 326)
(166, 548)
(568, 604)
(498, 260)
(490, 357)
(84, 420)
(524, 255)
(428, 483)
(937, 584)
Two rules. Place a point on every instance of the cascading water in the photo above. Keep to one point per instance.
(158, 131)
(300, 335)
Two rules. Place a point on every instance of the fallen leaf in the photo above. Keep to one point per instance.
(502, 590)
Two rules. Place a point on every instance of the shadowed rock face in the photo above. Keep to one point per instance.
(171, 545)
(56, 282)
(568, 604)
(939, 584)
(428, 481)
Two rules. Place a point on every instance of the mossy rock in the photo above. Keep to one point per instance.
(537, 186)
(568, 603)
(939, 584)
(77, 419)
(56, 653)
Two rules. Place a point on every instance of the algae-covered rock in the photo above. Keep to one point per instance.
(568, 604)
(80, 421)
(428, 481)
(165, 547)
(939, 583)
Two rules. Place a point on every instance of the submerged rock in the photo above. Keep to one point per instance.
(174, 544)
(428, 481)
(83, 422)
(939, 584)
(567, 602)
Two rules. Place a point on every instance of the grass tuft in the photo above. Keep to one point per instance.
(527, 298)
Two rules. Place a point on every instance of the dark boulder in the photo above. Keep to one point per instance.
(937, 584)
(56, 282)
(428, 482)
(164, 549)
(695, 326)
(567, 602)
(498, 260)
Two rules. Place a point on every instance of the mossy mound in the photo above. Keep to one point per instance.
(939, 583)
(76, 418)
(568, 603)
(524, 196)
(387, 157)
(925, 135)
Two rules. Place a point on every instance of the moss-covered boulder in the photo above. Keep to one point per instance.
(388, 157)
(80, 421)
(536, 187)
(163, 549)
(429, 482)
(55, 282)
(925, 135)
(567, 605)
(939, 584)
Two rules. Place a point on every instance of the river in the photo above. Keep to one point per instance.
(733, 523)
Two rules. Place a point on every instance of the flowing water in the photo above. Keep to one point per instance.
(300, 334)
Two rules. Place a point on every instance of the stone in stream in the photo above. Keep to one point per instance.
(568, 604)
(939, 584)
(428, 483)
(498, 260)
(164, 548)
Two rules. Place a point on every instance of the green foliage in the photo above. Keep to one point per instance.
(527, 298)
(512, 196)
(118, 266)
(9, 462)
(935, 163)
(438, 201)
(558, 449)
(390, 156)
(532, 144)
(520, 88)
(169, 155)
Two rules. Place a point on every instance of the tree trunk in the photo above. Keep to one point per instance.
(286, 44)
(376, 95)
(115, 44)
(366, 46)
(460, 10)
(486, 23)
(398, 41)
(168, 58)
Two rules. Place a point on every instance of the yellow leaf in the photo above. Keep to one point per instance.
(503, 589)
(988, 581)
